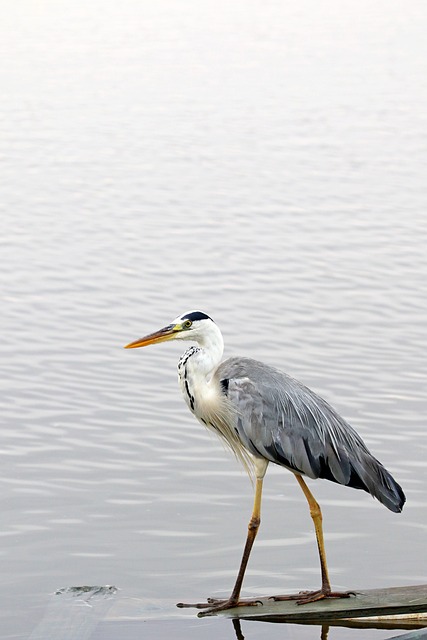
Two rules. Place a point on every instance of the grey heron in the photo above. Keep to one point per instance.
(264, 416)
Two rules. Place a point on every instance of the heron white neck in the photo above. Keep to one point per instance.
(195, 370)
(209, 355)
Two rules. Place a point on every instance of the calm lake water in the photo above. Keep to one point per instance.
(264, 161)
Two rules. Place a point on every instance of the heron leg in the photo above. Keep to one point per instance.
(325, 591)
(316, 515)
(214, 605)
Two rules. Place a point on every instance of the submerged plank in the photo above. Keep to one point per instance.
(74, 612)
(394, 601)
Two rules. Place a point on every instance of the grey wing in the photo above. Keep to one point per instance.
(280, 419)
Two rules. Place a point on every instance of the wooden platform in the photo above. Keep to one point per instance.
(371, 603)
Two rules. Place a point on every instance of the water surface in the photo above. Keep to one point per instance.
(265, 162)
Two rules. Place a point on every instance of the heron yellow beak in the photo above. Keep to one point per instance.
(167, 333)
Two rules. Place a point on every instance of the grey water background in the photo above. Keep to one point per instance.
(266, 162)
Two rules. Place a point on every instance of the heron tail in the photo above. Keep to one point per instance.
(360, 470)
(370, 475)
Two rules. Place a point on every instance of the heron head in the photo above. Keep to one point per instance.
(193, 325)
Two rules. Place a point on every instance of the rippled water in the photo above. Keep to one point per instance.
(265, 162)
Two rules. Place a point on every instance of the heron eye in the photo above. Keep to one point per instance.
(187, 324)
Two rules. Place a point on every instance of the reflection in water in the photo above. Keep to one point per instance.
(419, 631)
(238, 629)
(324, 630)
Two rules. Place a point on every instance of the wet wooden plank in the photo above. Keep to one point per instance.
(393, 601)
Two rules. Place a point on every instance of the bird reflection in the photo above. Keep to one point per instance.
(324, 630)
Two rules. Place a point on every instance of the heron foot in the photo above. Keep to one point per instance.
(305, 597)
(213, 605)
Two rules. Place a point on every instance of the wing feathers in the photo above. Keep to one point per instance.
(283, 421)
